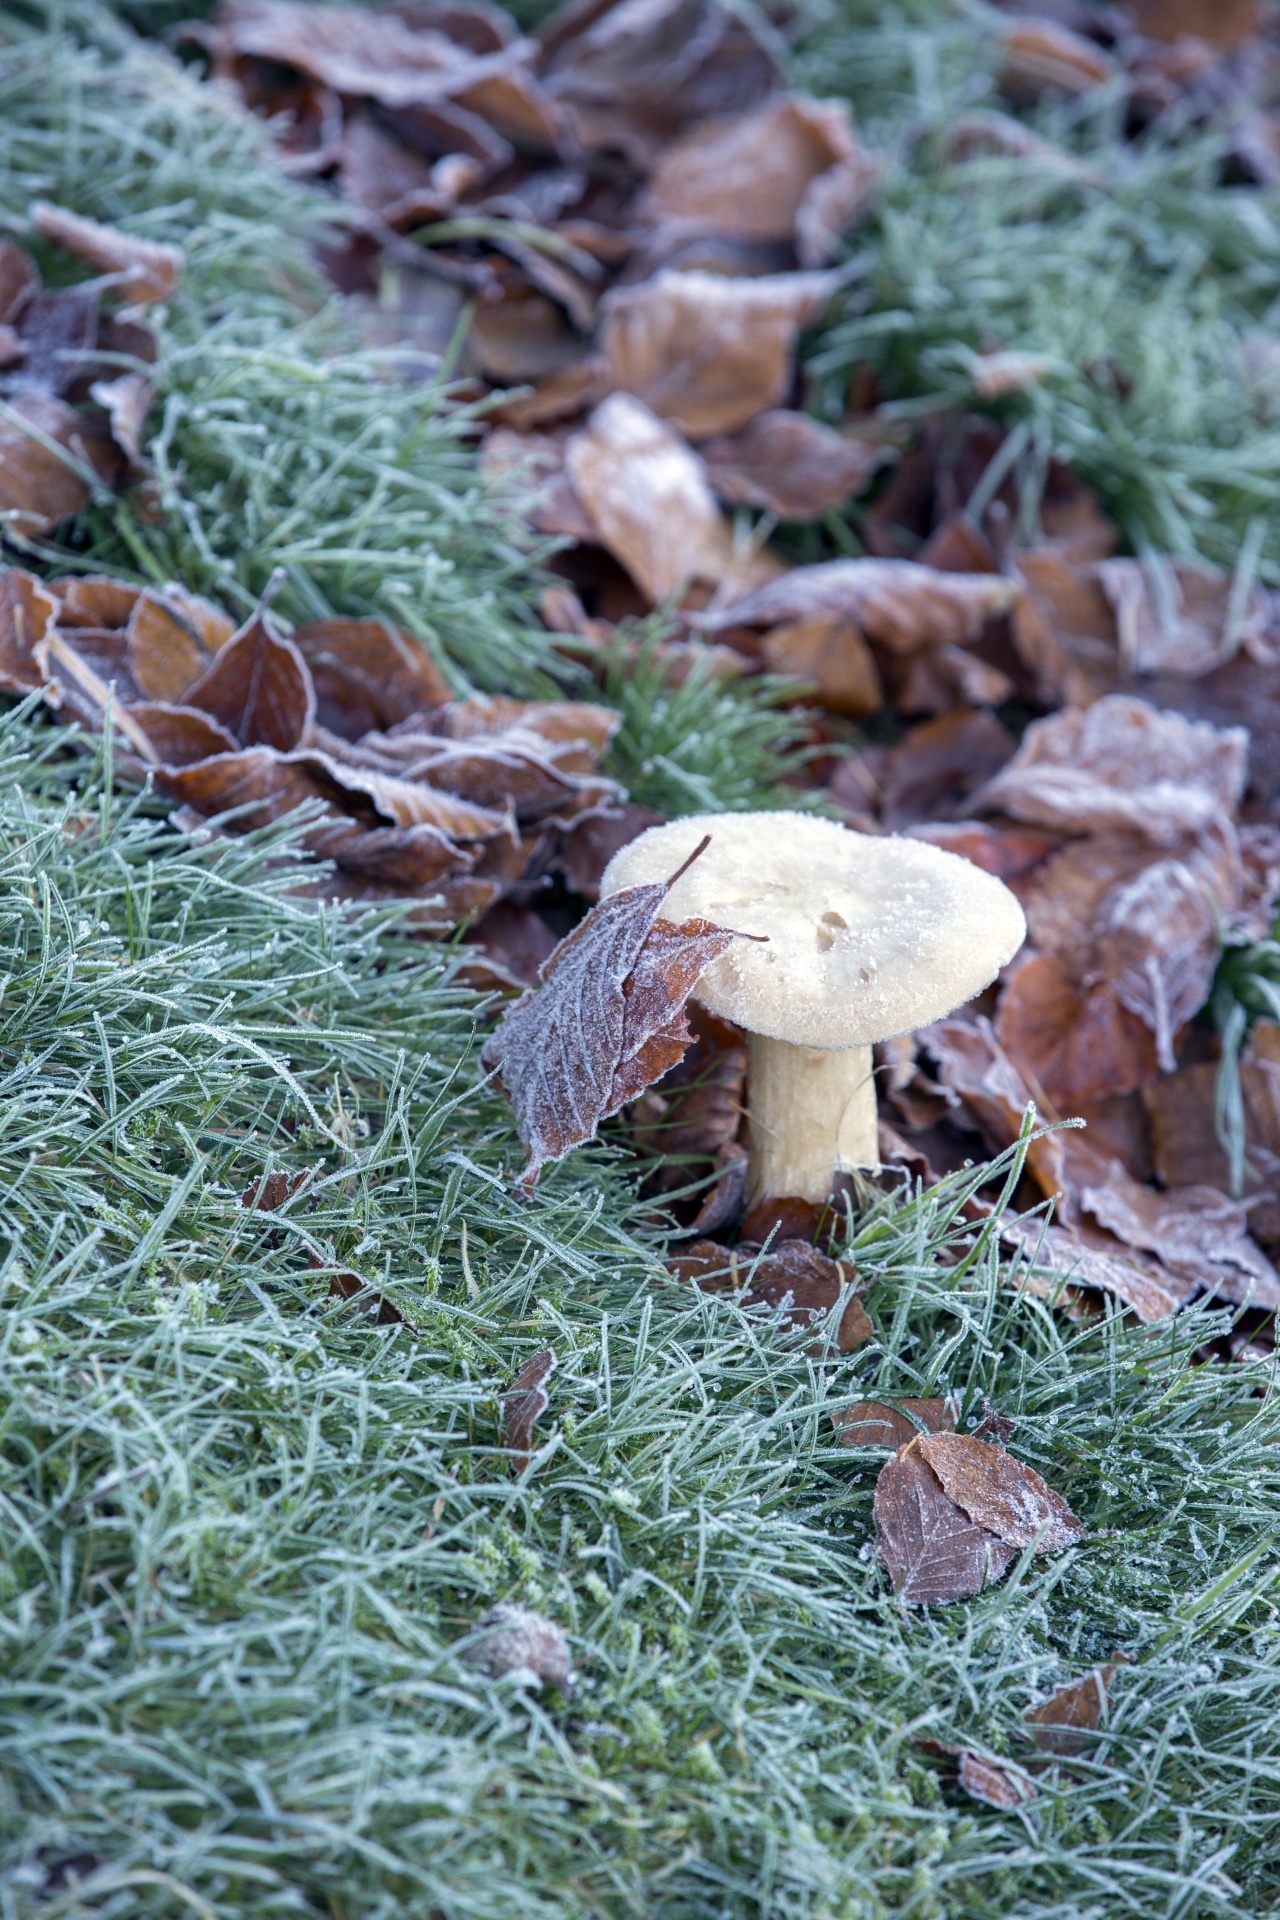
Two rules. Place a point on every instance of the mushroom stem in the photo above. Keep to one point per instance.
(811, 1115)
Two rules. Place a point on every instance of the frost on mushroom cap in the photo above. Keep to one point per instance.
(867, 937)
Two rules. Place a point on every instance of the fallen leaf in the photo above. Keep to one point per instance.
(1039, 56)
(899, 605)
(45, 470)
(873, 1423)
(1196, 1232)
(605, 1023)
(833, 654)
(1226, 24)
(1077, 1043)
(935, 768)
(1057, 1259)
(721, 1205)
(789, 464)
(633, 77)
(646, 495)
(1064, 629)
(59, 332)
(127, 402)
(934, 1553)
(1121, 766)
(753, 175)
(524, 1403)
(1063, 1722)
(695, 1110)
(1194, 631)
(257, 784)
(974, 1066)
(594, 838)
(1001, 1493)
(993, 1782)
(258, 687)
(1008, 852)
(517, 1640)
(172, 640)
(19, 280)
(27, 613)
(180, 735)
(705, 352)
(793, 1279)
(144, 271)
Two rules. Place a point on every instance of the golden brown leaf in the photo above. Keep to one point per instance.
(834, 654)
(793, 1279)
(526, 1399)
(934, 1553)
(27, 612)
(1063, 1722)
(899, 605)
(873, 1423)
(1001, 1493)
(257, 687)
(1042, 57)
(789, 463)
(705, 352)
(45, 466)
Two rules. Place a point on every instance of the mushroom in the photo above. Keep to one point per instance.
(863, 937)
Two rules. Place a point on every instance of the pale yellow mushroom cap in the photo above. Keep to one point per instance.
(866, 937)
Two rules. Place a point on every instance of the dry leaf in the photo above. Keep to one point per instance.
(524, 1402)
(1002, 1494)
(872, 1423)
(172, 639)
(790, 464)
(594, 838)
(1063, 1722)
(993, 1782)
(180, 735)
(19, 280)
(1121, 766)
(258, 687)
(1195, 1232)
(1040, 56)
(1055, 1256)
(832, 653)
(1064, 629)
(798, 1283)
(127, 402)
(605, 1023)
(45, 471)
(709, 353)
(899, 605)
(1076, 1043)
(27, 613)
(646, 495)
(1192, 634)
(144, 271)
(934, 1553)
(753, 176)
(1226, 24)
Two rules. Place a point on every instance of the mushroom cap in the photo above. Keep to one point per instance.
(866, 936)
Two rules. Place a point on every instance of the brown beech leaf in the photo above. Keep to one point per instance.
(994, 1782)
(411, 857)
(144, 271)
(1196, 1232)
(40, 487)
(127, 402)
(834, 654)
(721, 1205)
(1055, 1256)
(173, 638)
(789, 463)
(180, 735)
(606, 1021)
(257, 783)
(258, 687)
(934, 769)
(1008, 852)
(791, 170)
(400, 803)
(899, 605)
(706, 352)
(935, 1554)
(19, 280)
(873, 1423)
(696, 1109)
(28, 611)
(524, 1402)
(94, 600)
(1197, 633)
(646, 495)
(1064, 629)
(1121, 766)
(367, 674)
(1000, 1493)
(1074, 1043)
(974, 1066)
(594, 838)
(1063, 1722)
(795, 1280)
(1042, 57)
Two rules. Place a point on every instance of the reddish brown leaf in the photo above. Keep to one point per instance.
(94, 600)
(258, 687)
(1073, 1044)
(173, 638)
(605, 1023)
(40, 487)
(791, 464)
(1195, 1231)
(1063, 1722)
(180, 735)
(995, 1783)
(525, 1401)
(255, 779)
(127, 402)
(144, 272)
(1002, 1494)
(796, 1282)
(721, 1205)
(1100, 1261)
(834, 654)
(1223, 23)
(1064, 629)
(595, 837)
(27, 612)
(899, 605)
(517, 1640)
(1042, 57)
(706, 352)
(934, 1553)
(872, 1423)
(19, 280)
(1120, 766)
